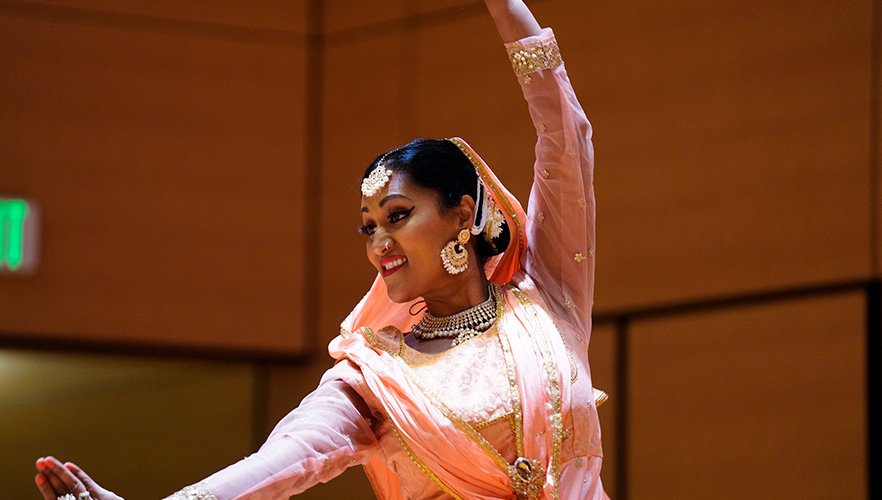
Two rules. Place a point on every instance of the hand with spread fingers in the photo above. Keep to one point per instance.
(58, 481)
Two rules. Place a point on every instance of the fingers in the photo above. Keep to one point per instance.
(45, 488)
(47, 481)
(90, 485)
(59, 478)
(94, 489)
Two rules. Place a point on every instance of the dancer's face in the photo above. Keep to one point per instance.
(406, 228)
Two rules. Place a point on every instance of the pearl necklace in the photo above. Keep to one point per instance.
(461, 326)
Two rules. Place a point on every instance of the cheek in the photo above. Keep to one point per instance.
(370, 254)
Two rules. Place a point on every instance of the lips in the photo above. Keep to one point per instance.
(392, 263)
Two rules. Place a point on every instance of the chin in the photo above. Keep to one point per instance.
(399, 296)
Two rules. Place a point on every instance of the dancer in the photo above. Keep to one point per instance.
(463, 372)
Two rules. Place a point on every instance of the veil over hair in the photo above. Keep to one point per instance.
(500, 268)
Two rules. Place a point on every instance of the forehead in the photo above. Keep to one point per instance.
(399, 184)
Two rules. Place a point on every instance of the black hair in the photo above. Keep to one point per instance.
(439, 165)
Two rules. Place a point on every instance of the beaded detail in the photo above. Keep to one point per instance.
(535, 56)
(495, 220)
(376, 180)
(462, 326)
(193, 492)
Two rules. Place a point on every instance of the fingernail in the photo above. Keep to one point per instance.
(40, 479)
(40, 465)
(50, 464)
(68, 466)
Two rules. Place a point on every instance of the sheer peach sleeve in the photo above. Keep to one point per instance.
(560, 214)
(328, 432)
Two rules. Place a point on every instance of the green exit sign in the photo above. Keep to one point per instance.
(19, 235)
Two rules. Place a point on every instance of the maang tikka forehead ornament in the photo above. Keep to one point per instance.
(376, 180)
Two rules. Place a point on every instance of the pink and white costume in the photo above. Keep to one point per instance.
(508, 414)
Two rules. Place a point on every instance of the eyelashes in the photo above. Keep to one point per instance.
(394, 217)
(398, 215)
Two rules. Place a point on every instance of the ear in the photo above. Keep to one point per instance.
(465, 212)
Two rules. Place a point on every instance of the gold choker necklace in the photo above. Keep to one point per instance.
(461, 326)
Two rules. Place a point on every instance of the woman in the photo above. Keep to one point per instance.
(489, 393)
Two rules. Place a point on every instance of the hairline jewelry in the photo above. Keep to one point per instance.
(375, 181)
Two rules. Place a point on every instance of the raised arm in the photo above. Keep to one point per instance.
(560, 220)
(513, 19)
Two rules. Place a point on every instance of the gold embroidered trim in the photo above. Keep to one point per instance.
(600, 397)
(517, 427)
(502, 418)
(553, 387)
(420, 464)
(452, 416)
(378, 344)
(194, 492)
(470, 431)
(370, 480)
(418, 359)
(574, 368)
(534, 56)
(526, 476)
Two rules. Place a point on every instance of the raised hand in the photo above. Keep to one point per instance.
(58, 481)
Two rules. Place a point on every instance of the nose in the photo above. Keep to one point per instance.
(382, 245)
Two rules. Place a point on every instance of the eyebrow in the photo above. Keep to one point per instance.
(384, 200)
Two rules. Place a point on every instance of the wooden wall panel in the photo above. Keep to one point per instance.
(361, 105)
(174, 422)
(732, 143)
(464, 86)
(168, 171)
(602, 356)
(876, 152)
(344, 15)
(266, 14)
(763, 399)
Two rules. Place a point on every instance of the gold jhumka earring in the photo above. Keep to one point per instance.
(454, 255)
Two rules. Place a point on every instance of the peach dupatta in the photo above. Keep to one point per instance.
(449, 451)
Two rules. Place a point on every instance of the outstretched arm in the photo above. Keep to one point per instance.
(325, 434)
(513, 19)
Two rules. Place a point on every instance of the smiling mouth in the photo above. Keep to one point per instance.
(393, 265)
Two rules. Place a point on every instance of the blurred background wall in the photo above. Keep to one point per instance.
(196, 165)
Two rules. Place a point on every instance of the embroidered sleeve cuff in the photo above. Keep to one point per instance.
(194, 492)
(535, 53)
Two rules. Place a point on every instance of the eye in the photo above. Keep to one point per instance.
(367, 229)
(398, 215)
